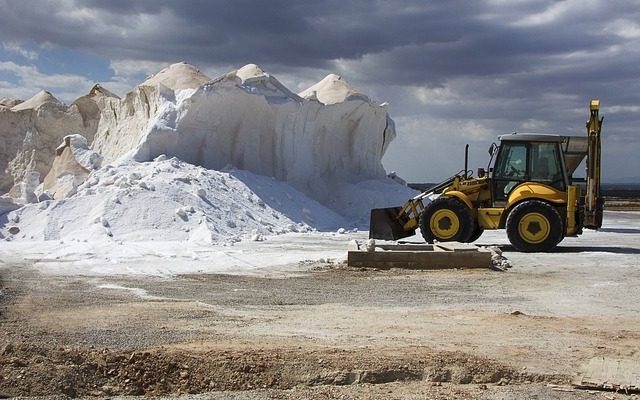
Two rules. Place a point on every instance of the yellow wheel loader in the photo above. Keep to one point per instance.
(529, 191)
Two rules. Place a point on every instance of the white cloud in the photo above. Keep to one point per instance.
(66, 87)
(437, 95)
(623, 109)
(15, 48)
(535, 125)
(549, 15)
(133, 69)
(624, 28)
(31, 76)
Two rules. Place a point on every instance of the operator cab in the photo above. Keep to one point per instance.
(526, 157)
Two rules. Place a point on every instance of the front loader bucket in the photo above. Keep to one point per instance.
(385, 224)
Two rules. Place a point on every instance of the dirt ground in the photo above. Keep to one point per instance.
(326, 331)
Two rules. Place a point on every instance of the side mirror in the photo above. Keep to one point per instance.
(481, 172)
(492, 149)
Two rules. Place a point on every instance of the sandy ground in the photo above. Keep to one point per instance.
(323, 330)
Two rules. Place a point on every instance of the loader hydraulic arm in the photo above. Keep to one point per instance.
(593, 202)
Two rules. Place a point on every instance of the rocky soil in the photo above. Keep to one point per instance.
(328, 332)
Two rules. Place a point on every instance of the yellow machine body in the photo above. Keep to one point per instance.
(537, 204)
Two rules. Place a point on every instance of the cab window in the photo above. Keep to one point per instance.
(510, 170)
(513, 161)
(545, 165)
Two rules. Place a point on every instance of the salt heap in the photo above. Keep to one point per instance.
(123, 123)
(170, 200)
(248, 119)
(71, 167)
(332, 90)
(8, 102)
(31, 130)
(184, 157)
(177, 76)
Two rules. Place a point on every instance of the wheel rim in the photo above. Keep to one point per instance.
(534, 228)
(444, 224)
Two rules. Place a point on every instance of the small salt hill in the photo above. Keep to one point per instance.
(252, 77)
(98, 91)
(9, 102)
(331, 90)
(178, 76)
(73, 163)
(31, 130)
(38, 100)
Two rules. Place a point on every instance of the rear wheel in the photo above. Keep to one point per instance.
(534, 226)
(446, 219)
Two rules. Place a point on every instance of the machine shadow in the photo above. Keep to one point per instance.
(620, 230)
(580, 249)
(602, 249)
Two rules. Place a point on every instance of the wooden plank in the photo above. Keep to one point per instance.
(610, 374)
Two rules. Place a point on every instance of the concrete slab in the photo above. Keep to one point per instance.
(610, 374)
(418, 256)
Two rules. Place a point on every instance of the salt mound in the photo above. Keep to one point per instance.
(250, 72)
(250, 120)
(256, 159)
(37, 101)
(72, 165)
(98, 91)
(178, 76)
(331, 90)
(124, 121)
(8, 102)
(90, 107)
(29, 133)
(252, 77)
(172, 200)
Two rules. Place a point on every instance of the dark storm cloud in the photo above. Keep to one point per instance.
(502, 65)
(407, 42)
(306, 33)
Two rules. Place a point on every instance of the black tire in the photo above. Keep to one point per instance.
(446, 219)
(534, 226)
(476, 233)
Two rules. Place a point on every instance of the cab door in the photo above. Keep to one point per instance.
(510, 169)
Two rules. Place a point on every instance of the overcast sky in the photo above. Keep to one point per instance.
(453, 72)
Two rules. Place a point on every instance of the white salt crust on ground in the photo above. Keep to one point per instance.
(616, 244)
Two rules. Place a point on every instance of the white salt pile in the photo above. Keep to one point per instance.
(248, 119)
(332, 90)
(172, 200)
(31, 130)
(177, 76)
(184, 157)
(70, 168)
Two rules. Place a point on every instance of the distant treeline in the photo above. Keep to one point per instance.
(623, 191)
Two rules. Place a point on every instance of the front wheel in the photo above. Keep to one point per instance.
(534, 226)
(446, 219)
